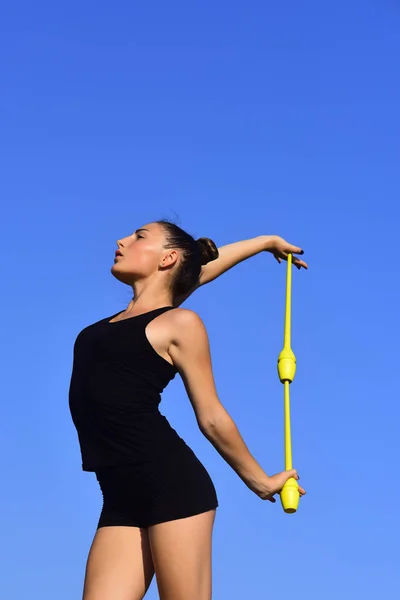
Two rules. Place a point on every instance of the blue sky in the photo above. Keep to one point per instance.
(239, 119)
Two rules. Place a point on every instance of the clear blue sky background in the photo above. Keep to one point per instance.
(239, 119)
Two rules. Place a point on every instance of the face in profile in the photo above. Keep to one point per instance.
(140, 254)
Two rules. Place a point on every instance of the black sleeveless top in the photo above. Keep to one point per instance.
(115, 390)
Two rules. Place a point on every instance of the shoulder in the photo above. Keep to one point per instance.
(185, 324)
(184, 316)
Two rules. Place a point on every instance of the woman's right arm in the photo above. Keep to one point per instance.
(190, 353)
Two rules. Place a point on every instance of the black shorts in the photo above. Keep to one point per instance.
(172, 487)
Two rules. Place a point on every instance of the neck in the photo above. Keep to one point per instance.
(149, 295)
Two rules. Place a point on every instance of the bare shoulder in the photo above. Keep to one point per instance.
(185, 324)
(184, 316)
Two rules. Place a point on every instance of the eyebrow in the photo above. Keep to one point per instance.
(141, 229)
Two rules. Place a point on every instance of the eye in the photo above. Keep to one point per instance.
(139, 236)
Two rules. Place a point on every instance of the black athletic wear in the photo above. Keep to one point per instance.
(146, 471)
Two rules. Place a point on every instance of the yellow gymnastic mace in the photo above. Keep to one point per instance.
(286, 371)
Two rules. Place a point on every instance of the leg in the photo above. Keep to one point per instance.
(181, 551)
(119, 565)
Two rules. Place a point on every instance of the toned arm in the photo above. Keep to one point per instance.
(190, 353)
(231, 255)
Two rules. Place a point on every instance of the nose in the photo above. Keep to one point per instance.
(121, 242)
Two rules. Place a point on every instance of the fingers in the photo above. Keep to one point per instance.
(293, 473)
(297, 262)
(279, 481)
(300, 263)
(289, 248)
(295, 249)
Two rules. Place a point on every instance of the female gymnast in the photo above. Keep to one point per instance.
(159, 502)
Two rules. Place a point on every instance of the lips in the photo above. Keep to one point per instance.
(118, 253)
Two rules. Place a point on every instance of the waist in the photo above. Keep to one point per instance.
(120, 438)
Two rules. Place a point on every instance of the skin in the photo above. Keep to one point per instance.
(123, 560)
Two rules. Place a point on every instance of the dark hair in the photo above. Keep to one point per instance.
(195, 253)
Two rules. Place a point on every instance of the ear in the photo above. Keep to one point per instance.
(169, 258)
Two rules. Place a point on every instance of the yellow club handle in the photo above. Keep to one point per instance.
(286, 370)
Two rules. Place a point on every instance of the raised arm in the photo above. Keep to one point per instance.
(235, 253)
(190, 354)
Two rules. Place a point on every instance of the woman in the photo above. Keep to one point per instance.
(159, 502)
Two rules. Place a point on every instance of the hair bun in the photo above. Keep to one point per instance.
(208, 250)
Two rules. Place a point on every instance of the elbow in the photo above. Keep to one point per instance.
(211, 423)
(207, 428)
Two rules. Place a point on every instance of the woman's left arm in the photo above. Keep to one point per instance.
(235, 253)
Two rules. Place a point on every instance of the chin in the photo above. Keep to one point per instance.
(121, 275)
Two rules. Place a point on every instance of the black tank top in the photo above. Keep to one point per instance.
(115, 391)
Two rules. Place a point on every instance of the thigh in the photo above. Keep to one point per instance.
(181, 552)
(119, 565)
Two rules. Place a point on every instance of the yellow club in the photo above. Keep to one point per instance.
(286, 371)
